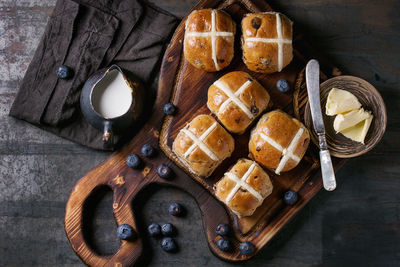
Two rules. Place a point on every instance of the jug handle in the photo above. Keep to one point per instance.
(108, 135)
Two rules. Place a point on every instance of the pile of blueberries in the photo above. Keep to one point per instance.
(223, 243)
(135, 162)
(167, 230)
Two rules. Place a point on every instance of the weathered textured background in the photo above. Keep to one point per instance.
(357, 225)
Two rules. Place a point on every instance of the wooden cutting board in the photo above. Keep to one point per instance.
(187, 88)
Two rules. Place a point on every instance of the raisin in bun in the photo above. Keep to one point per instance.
(209, 39)
(267, 41)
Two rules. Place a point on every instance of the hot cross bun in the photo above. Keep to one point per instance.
(267, 41)
(244, 187)
(278, 142)
(237, 99)
(202, 145)
(209, 39)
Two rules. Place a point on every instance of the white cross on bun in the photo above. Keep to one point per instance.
(237, 100)
(267, 41)
(209, 39)
(278, 142)
(244, 187)
(202, 145)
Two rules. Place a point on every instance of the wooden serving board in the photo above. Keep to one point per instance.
(187, 88)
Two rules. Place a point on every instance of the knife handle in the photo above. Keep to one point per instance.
(328, 174)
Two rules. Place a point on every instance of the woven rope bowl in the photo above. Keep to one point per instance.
(339, 145)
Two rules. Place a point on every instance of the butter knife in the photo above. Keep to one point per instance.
(312, 80)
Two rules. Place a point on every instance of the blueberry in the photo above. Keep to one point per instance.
(125, 232)
(164, 171)
(290, 197)
(169, 109)
(176, 209)
(154, 230)
(223, 244)
(246, 248)
(134, 161)
(168, 244)
(222, 229)
(167, 229)
(283, 85)
(64, 72)
(148, 151)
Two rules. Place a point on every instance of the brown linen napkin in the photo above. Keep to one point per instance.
(87, 35)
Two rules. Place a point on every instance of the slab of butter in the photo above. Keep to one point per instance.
(340, 101)
(349, 119)
(358, 131)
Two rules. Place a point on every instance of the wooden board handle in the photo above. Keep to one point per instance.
(129, 251)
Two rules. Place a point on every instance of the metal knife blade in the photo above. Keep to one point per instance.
(312, 81)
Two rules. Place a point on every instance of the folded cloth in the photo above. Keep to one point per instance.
(87, 35)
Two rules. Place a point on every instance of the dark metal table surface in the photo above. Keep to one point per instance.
(357, 225)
